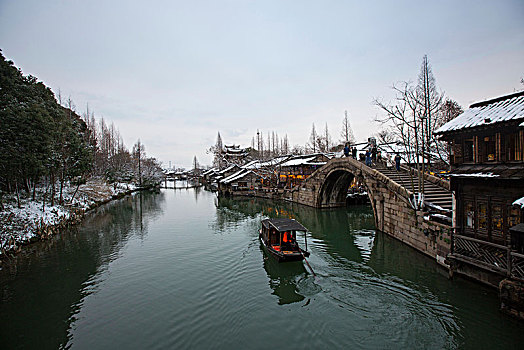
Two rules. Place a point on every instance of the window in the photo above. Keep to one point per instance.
(482, 218)
(489, 149)
(468, 150)
(513, 147)
(513, 216)
(469, 215)
(497, 221)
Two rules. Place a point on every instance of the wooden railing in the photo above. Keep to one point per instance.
(491, 256)
(517, 265)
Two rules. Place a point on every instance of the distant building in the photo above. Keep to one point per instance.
(487, 177)
(235, 154)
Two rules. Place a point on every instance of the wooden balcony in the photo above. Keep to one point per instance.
(488, 256)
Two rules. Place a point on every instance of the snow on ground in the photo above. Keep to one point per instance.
(21, 225)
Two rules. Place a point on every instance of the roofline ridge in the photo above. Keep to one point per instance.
(497, 99)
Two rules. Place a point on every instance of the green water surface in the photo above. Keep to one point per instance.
(181, 269)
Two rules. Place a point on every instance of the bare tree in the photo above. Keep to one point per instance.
(402, 117)
(347, 132)
(285, 145)
(413, 117)
(313, 139)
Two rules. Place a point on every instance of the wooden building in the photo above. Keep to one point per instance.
(295, 170)
(243, 180)
(487, 176)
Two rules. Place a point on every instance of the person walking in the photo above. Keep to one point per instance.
(397, 161)
(354, 152)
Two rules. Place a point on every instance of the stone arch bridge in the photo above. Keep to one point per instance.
(390, 199)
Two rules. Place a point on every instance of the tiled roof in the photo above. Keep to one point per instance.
(500, 109)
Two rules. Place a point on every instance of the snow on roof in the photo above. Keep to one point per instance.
(235, 150)
(236, 176)
(476, 175)
(251, 165)
(500, 109)
(297, 161)
(392, 149)
(519, 202)
(228, 169)
(213, 170)
(271, 162)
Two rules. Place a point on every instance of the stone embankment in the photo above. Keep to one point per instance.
(37, 220)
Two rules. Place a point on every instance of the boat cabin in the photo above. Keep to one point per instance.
(279, 236)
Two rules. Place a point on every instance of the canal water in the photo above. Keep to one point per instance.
(181, 269)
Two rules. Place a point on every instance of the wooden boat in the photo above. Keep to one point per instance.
(279, 237)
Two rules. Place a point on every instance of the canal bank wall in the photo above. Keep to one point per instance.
(34, 221)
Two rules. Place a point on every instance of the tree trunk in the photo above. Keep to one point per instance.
(61, 201)
(76, 190)
(34, 189)
(45, 195)
(52, 189)
(18, 196)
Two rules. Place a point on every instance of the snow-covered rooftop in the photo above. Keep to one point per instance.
(229, 168)
(500, 109)
(236, 176)
(519, 202)
(212, 170)
(251, 165)
(297, 161)
(476, 175)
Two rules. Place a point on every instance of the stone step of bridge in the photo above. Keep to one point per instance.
(433, 194)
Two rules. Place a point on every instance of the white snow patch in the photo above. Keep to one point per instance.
(476, 175)
(519, 202)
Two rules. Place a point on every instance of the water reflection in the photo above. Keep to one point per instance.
(283, 278)
(43, 288)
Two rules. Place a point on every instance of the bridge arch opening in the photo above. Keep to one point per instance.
(334, 190)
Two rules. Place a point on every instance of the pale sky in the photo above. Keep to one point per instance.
(174, 73)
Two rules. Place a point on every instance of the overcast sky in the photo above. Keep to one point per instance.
(174, 73)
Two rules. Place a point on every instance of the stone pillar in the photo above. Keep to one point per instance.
(511, 294)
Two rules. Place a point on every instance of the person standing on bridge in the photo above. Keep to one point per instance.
(368, 158)
(346, 150)
(397, 161)
(354, 152)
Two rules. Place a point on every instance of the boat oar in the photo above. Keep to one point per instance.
(307, 263)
